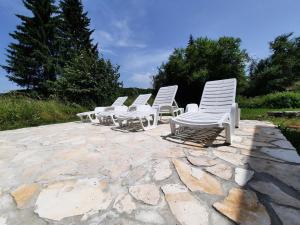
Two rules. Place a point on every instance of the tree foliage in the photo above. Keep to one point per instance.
(54, 54)
(32, 57)
(202, 60)
(278, 72)
(74, 31)
(88, 81)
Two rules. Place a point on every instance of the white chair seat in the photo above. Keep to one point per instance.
(217, 109)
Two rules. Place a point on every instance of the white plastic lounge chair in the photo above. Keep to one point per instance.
(109, 114)
(91, 115)
(217, 109)
(163, 101)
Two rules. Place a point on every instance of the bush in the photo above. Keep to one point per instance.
(19, 111)
(276, 100)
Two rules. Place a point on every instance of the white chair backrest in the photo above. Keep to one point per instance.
(119, 101)
(141, 99)
(218, 96)
(165, 96)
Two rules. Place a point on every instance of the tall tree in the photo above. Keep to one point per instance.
(88, 81)
(75, 33)
(201, 61)
(278, 72)
(32, 58)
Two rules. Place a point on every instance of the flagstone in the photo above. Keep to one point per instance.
(73, 197)
(24, 194)
(201, 161)
(149, 217)
(197, 152)
(162, 170)
(283, 154)
(235, 159)
(258, 154)
(184, 206)
(242, 176)
(147, 193)
(276, 194)
(284, 144)
(226, 149)
(197, 179)
(124, 203)
(219, 219)
(289, 174)
(3, 220)
(243, 207)
(288, 216)
(60, 161)
(221, 170)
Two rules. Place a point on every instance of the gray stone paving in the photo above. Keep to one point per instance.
(79, 173)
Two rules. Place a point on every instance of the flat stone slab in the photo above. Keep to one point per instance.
(276, 194)
(243, 207)
(72, 198)
(197, 179)
(184, 206)
(288, 216)
(24, 194)
(282, 154)
(124, 203)
(79, 173)
(242, 176)
(147, 193)
(162, 170)
(220, 170)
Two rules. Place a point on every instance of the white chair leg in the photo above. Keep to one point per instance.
(237, 117)
(228, 133)
(173, 127)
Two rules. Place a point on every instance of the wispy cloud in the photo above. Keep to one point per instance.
(142, 79)
(141, 66)
(119, 35)
(150, 59)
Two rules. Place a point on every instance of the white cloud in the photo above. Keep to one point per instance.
(149, 60)
(119, 35)
(139, 67)
(142, 79)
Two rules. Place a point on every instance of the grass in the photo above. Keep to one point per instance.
(19, 111)
(285, 124)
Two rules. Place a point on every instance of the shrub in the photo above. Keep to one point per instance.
(275, 100)
(20, 111)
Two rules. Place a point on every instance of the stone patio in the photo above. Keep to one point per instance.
(78, 173)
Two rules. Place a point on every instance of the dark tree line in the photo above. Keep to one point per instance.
(278, 72)
(204, 59)
(53, 53)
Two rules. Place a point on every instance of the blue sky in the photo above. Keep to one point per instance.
(139, 35)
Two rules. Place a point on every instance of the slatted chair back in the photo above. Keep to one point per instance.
(165, 96)
(119, 101)
(141, 100)
(218, 96)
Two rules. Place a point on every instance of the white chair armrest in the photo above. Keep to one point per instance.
(141, 108)
(99, 109)
(122, 108)
(191, 108)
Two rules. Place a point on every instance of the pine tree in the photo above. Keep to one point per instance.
(32, 57)
(88, 81)
(75, 34)
(191, 40)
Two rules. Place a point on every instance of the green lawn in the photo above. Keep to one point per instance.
(19, 111)
(284, 123)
